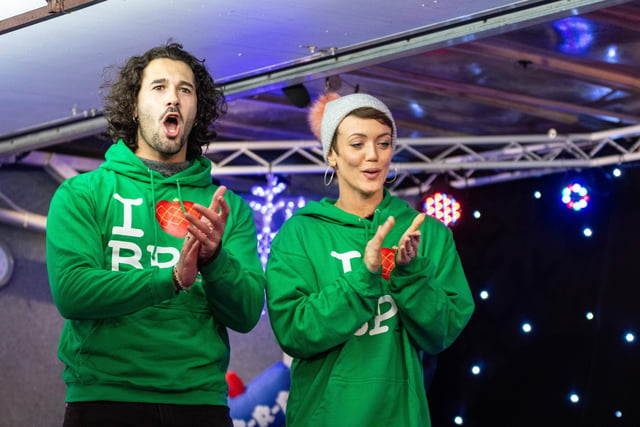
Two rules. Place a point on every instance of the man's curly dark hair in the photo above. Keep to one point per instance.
(120, 101)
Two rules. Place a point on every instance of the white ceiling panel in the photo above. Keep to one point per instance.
(52, 70)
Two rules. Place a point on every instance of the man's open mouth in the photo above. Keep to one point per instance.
(171, 124)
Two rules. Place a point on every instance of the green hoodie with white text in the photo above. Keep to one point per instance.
(357, 337)
(113, 236)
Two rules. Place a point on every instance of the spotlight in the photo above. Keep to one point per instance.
(629, 337)
(416, 109)
(298, 95)
(575, 196)
(575, 35)
(443, 207)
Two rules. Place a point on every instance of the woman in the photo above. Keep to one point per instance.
(359, 288)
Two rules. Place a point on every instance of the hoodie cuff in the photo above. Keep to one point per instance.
(367, 283)
(217, 267)
(403, 275)
(161, 285)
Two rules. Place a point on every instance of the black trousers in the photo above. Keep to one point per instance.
(126, 414)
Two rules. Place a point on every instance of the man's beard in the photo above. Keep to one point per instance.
(165, 146)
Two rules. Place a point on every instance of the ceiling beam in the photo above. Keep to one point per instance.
(327, 63)
(603, 73)
(626, 16)
(479, 94)
(56, 134)
(560, 112)
(42, 14)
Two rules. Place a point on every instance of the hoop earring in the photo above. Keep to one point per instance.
(395, 176)
(328, 183)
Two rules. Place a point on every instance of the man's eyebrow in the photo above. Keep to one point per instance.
(186, 83)
(164, 81)
(156, 81)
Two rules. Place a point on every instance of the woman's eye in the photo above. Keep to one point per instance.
(385, 144)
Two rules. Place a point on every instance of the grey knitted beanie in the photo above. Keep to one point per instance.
(335, 111)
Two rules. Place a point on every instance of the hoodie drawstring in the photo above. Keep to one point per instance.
(370, 230)
(153, 214)
(184, 210)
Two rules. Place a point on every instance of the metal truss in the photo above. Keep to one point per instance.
(470, 161)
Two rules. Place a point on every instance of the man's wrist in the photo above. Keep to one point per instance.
(177, 283)
(211, 258)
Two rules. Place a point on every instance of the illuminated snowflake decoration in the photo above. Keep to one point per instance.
(271, 212)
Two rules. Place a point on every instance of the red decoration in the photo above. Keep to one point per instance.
(388, 261)
(171, 218)
(236, 386)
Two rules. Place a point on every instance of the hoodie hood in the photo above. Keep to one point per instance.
(326, 210)
(119, 158)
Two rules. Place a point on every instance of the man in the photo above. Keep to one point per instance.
(148, 261)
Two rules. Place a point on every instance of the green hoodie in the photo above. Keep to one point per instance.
(128, 336)
(356, 337)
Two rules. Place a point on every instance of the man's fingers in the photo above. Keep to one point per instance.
(224, 208)
(215, 200)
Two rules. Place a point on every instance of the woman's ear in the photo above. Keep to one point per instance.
(331, 158)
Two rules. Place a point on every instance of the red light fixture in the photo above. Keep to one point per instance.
(442, 207)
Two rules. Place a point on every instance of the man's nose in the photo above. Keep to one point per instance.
(172, 97)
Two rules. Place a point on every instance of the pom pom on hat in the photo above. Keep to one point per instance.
(316, 111)
(328, 111)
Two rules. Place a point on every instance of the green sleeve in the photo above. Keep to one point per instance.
(234, 281)
(82, 286)
(309, 318)
(432, 294)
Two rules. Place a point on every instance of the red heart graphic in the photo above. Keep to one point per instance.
(171, 218)
(388, 261)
